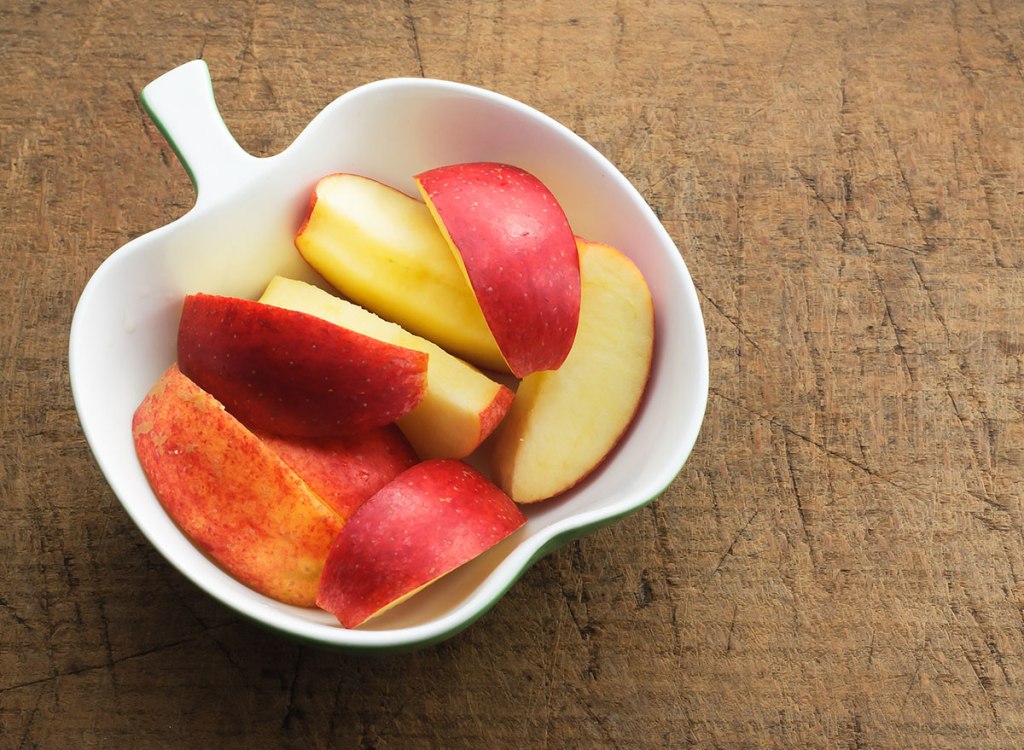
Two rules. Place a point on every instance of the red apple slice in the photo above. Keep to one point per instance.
(230, 494)
(515, 245)
(345, 471)
(289, 373)
(461, 406)
(428, 521)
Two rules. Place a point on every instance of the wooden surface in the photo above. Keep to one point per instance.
(841, 563)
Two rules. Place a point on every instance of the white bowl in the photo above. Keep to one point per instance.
(240, 233)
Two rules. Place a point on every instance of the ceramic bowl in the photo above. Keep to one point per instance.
(240, 233)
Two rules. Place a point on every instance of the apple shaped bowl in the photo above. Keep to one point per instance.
(240, 233)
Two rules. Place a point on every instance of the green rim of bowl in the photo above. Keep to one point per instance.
(548, 547)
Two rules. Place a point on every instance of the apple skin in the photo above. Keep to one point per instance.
(461, 406)
(428, 521)
(345, 471)
(514, 243)
(288, 373)
(563, 423)
(230, 493)
(383, 251)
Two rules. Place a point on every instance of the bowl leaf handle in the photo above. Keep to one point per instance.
(181, 104)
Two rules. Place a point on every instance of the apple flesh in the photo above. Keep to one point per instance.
(428, 521)
(345, 471)
(563, 423)
(518, 252)
(461, 405)
(230, 493)
(289, 373)
(382, 249)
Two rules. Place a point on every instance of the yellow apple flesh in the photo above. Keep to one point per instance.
(382, 249)
(461, 405)
(564, 422)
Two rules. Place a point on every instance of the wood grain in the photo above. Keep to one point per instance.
(839, 565)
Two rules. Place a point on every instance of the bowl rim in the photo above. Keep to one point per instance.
(520, 558)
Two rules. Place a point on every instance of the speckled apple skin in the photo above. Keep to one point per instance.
(519, 253)
(230, 494)
(289, 373)
(345, 471)
(428, 521)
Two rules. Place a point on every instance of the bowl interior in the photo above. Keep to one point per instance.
(125, 327)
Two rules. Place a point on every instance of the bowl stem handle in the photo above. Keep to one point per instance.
(181, 104)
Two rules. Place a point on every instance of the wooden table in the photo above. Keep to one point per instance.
(841, 563)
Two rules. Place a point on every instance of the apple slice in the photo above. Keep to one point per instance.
(345, 471)
(289, 373)
(382, 250)
(518, 252)
(428, 521)
(461, 405)
(563, 423)
(230, 493)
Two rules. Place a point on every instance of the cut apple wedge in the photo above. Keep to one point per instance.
(231, 494)
(345, 471)
(517, 250)
(289, 373)
(563, 423)
(461, 405)
(382, 249)
(428, 521)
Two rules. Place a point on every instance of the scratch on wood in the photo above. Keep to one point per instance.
(6, 606)
(901, 350)
(983, 681)
(732, 629)
(858, 733)
(904, 248)
(735, 324)
(57, 675)
(677, 635)
(30, 722)
(796, 492)
(810, 441)
(931, 301)
(292, 711)
(227, 656)
(581, 630)
(410, 23)
(135, 99)
(249, 52)
(598, 720)
(965, 425)
(585, 629)
(645, 595)
(661, 531)
(918, 659)
(961, 60)
(711, 20)
(620, 30)
(988, 636)
(793, 485)
(995, 28)
(732, 544)
(812, 185)
(905, 181)
(785, 55)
